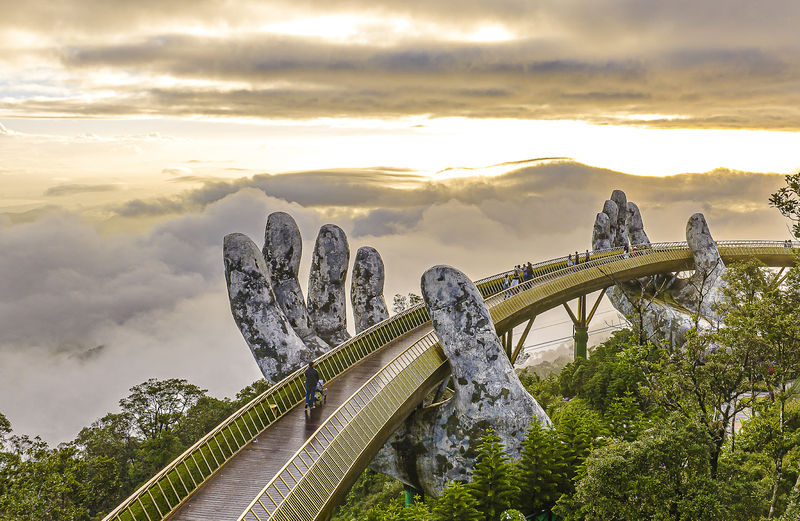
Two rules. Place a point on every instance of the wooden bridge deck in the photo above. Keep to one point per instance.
(226, 495)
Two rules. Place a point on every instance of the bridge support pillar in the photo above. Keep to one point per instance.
(580, 321)
(580, 338)
(411, 495)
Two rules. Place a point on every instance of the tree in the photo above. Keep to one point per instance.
(54, 484)
(492, 483)
(541, 470)
(762, 319)
(5, 429)
(662, 475)
(787, 201)
(156, 406)
(254, 390)
(624, 418)
(604, 375)
(577, 426)
(401, 302)
(457, 504)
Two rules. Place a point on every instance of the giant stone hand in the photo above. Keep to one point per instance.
(668, 306)
(439, 443)
(267, 303)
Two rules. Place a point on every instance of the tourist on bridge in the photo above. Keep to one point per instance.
(569, 261)
(530, 271)
(312, 377)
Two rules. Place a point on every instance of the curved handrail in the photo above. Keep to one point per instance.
(169, 488)
(320, 467)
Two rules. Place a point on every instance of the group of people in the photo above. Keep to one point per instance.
(574, 261)
(520, 274)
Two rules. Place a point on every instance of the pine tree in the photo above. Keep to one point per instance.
(419, 511)
(456, 504)
(493, 480)
(576, 444)
(541, 470)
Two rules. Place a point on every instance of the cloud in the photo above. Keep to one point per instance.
(560, 61)
(72, 189)
(83, 311)
(6, 132)
(176, 170)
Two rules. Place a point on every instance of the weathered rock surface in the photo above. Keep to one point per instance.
(620, 199)
(635, 226)
(326, 285)
(278, 350)
(283, 247)
(696, 294)
(366, 291)
(439, 443)
(601, 234)
(705, 283)
(610, 209)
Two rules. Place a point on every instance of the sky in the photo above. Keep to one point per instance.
(135, 135)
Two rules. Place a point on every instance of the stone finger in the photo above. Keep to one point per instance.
(326, 285)
(601, 232)
(621, 200)
(366, 291)
(283, 247)
(635, 226)
(277, 349)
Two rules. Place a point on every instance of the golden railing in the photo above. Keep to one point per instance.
(166, 491)
(311, 484)
(341, 446)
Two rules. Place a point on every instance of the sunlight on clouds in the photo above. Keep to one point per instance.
(490, 34)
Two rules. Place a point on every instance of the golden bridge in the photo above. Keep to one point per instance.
(271, 460)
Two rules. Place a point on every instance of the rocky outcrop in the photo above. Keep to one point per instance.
(278, 350)
(366, 291)
(326, 285)
(283, 247)
(439, 443)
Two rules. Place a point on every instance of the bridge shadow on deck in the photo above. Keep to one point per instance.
(226, 494)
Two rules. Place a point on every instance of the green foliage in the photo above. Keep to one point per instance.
(156, 406)
(579, 428)
(5, 428)
(545, 390)
(493, 483)
(54, 484)
(457, 504)
(370, 491)
(401, 302)
(604, 375)
(512, 515)
(541, 470)
(250, 392)
(107, 461)
(624, 418)
(204, 415)
(419, 511)
(662, 475)
(787, 201)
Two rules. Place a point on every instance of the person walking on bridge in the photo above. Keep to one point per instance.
(312, 377)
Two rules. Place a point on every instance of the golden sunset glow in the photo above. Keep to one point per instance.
(135, 135)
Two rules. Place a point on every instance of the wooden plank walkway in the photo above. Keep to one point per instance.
(225, 496)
